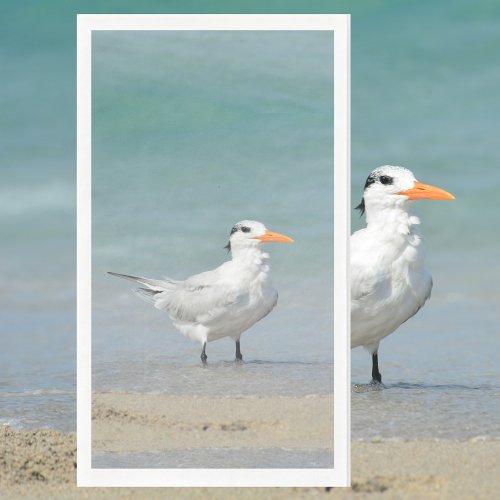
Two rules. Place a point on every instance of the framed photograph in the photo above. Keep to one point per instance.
(213, 184)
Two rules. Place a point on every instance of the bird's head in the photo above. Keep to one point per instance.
(250, 233)
(390, 187)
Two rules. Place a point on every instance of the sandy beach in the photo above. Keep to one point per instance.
(41, 464)
(125, 422)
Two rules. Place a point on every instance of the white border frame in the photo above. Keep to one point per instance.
(339, 24)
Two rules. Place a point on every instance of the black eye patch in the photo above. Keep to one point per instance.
(385, 179)
(245, 229)
(235, 228)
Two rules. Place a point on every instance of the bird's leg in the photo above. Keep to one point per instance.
(204, 354)
(376, 376)
(239, 357)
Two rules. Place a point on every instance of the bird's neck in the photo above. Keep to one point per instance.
(396, 220)
(249, 255)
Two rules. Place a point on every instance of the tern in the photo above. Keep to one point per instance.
(389, 282)
(223, 302)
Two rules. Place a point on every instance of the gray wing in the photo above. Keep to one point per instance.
(198, 299)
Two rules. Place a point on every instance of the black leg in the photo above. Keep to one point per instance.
(376, 376)
(204, 355)
(239, 357)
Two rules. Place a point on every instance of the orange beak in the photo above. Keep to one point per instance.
(420, 191)
(270, 236)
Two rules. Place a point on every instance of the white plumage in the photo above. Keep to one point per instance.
(389, 282)
(223, 302)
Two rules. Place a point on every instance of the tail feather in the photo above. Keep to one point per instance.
(147, 294)
(156, 285)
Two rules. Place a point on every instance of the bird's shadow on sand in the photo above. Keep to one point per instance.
(363, 388)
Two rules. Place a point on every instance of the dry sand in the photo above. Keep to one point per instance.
(41, 464)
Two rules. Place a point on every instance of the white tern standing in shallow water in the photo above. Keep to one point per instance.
(389, 282)
(226, 301)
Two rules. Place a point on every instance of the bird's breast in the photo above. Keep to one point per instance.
(255, 297)
(389, 285)
(260, 290)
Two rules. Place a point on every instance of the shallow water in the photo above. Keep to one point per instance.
(424, 95)
(441, 377)
(162, 374)
(217, 458)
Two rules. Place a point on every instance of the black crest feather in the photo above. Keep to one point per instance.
(361, 207)
(369, 181)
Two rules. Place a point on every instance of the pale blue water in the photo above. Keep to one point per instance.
(424, 95)
(214, 458)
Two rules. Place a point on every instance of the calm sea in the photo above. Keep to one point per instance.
(193, 133)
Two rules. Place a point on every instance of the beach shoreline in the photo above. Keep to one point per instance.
(41, 464)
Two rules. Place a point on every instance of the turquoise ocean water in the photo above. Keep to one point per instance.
(424, 95)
